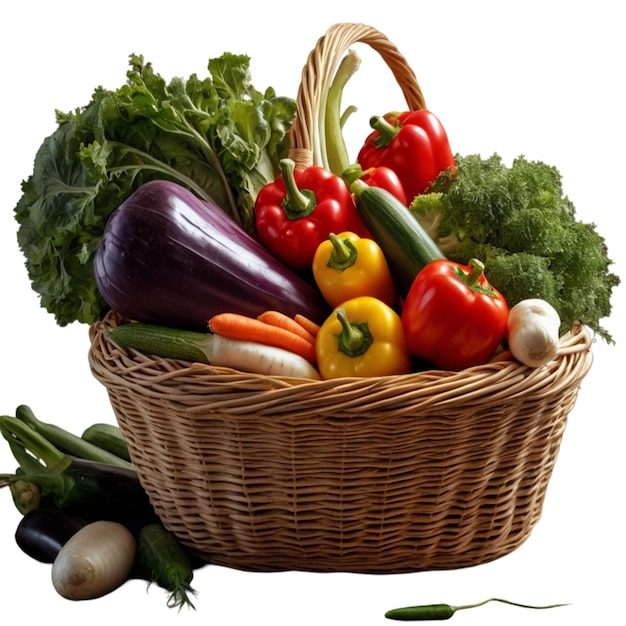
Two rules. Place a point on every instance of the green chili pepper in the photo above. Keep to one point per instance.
(428, 612)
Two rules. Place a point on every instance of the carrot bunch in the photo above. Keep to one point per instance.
(270, 328)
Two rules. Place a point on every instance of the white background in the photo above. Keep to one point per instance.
(543, 79)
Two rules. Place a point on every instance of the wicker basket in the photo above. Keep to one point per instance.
(430, 470)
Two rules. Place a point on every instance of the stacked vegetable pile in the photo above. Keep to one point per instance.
(85, 512)
(176, 202)
(179, 206)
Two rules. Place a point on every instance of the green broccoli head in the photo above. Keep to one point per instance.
(521, 275)
(518, 221)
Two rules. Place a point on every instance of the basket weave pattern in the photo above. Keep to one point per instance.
(432, 470)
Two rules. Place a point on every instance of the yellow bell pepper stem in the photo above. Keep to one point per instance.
(355, 337)
(343, 253)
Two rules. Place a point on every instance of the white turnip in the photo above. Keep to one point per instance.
(95, 561)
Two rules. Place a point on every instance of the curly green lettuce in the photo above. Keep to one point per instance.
(217, 136)
(518, 221)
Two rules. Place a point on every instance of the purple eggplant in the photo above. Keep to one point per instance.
(166, 257)
(42, 532)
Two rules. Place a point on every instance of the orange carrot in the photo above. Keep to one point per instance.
(245, 328)
(280, 320)
(309, 325)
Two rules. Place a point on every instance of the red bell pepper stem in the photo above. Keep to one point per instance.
(298, 203)
(386, 131)
(355, 337)
(478, 267)
(471, 280)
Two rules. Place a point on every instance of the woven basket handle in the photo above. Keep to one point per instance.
(318, 74)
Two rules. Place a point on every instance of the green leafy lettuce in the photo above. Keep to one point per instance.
(217, 136)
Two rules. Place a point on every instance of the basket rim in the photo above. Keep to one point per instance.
(492, 382)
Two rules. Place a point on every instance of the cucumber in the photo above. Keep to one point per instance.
(407, 247)
(163, 560)
(109, 438)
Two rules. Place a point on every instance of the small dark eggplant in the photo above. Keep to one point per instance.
(42, 533)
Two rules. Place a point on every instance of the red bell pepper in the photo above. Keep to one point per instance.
(414, 145)
(452, 316)
(300, 209)
(383, 177)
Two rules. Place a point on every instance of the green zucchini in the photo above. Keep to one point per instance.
(108, 437)
(407, 247)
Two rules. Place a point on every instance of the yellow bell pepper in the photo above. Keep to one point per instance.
(347, 266)
(362, 337)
